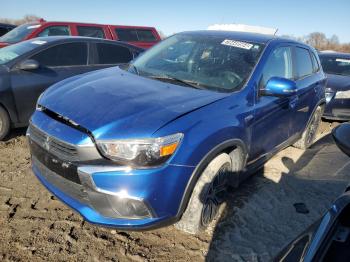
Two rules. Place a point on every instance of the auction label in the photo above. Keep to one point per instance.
(238, 44)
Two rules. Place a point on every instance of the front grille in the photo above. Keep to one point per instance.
(65, 169)
(55, 146)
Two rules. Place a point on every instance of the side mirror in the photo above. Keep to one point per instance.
(341, 136)
(28, 64)
(278, 86)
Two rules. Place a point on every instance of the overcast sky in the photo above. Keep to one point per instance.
(295, 17)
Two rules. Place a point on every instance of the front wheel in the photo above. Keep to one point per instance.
(4, 123)
(207, 197)
(310, 132)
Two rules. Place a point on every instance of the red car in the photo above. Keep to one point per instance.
(141, 36)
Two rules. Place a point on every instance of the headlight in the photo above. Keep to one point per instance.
(329, 94)
(141, 152)
(343, 94)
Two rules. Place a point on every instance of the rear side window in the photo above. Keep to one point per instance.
(55, 30)
(303, 64)
(135, 35)
(70, 54)
(316, 65)
(91, 31)
(279, 64)
(113, 54)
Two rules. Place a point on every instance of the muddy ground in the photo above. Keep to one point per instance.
(259, 219)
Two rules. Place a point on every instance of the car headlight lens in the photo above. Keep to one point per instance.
(141, 152)
(343, 94)
(329, 94)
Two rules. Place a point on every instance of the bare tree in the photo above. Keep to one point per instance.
(25, 19)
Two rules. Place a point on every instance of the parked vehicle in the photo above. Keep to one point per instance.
(4, 28)
(29, 67)
(141, 36)
(329, 238)
(337, 68)
(160, 142)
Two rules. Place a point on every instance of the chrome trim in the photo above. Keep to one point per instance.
(86, 179)
(63, 150)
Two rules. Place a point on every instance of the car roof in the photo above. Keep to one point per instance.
(62, 39)
(243, 36)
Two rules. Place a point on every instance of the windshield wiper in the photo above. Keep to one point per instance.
(192, 84)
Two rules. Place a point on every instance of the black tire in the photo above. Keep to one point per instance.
(310, 132)
(4, 123)
(207, 197)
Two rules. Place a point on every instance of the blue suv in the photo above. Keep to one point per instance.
(159, 141)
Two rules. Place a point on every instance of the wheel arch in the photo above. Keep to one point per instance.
(228, 147)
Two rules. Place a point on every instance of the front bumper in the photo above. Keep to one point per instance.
(95, 189)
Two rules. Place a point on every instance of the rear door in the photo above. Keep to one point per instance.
(56, 63)
(308, 85)
(273, 115)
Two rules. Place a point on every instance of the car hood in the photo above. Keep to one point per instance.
(113, 103)
(338, 82)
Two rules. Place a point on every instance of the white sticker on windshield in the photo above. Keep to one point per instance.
(33, 26)
(38, 42)
(342, 60)
(238, 44)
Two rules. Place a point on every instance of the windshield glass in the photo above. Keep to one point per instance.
(19, 33)
(213, 63)
(336, 65)
(11, 52)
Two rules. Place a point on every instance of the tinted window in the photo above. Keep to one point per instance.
(91, 31)
(134, 35)
(128, 35)
(303, 63)
(113, 54)
(63, 55)
(279, 64)
(145, 36)
(336, 65)
(55, 30)
(3, 30)
(315, 63)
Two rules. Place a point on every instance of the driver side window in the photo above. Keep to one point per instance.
(279, 64)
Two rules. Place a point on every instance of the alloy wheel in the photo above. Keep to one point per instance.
(215, 195)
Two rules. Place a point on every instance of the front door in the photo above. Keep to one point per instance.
(272, 118)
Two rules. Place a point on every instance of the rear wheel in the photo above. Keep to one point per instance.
(309, 134)
(4, 123)
(208, 196)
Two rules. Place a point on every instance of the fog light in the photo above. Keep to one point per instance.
(129, 208)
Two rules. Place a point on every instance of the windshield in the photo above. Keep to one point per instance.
(336, 65)
(213, 63)
(19, 33)
(11, 52)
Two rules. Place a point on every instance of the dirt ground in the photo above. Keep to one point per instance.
(259, 219)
